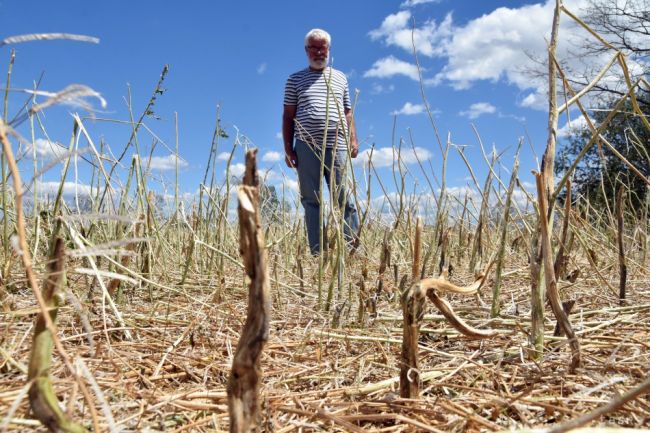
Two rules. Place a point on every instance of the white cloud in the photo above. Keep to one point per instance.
(520, 199)
(478, 109)
(536, 100)
(409, 109)
(397, 29)
(278, 135)
(48, 189)
(378, 89)
(458, 194)
(223, 156)
(292, 185)
(382, 207)
(167, 162)
(270, 177)
(459, 191)
(47, 150)
(498, 46)
(385, 156)
(576, 125)
(520, 119)
(184, 197)
(261, 68)
(391, 24)
(495, 45)
(280, 179)
(390, 66)
(237, 169)
(272, 156)
(411, 3)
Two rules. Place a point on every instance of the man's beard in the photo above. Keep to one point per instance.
(318, 63)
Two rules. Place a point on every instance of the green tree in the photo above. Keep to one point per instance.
(601, 172)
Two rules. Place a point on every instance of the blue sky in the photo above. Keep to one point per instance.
(238, 54)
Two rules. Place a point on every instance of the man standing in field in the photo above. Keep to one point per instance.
(317, 124)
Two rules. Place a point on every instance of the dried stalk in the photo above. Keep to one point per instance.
(409, 386)
(567, 306)
(42, 398)
(387, 383)
(496, 289)
(561, 256)
(146, 252)
(55, 421)
(549, 274)
(429, 286)
(135, 126)
(477, 248)
(384, 263)
(417, 249)
(621, 250)
(48, 37)
(412, 309)
(612, 406)
(121, 228)
(548, 161)
(409, 377)
(245, 375)
(548, 166)
(4, 271)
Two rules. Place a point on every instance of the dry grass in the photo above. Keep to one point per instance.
(314, 376)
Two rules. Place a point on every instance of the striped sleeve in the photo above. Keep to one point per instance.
(290, 94)
(347, 105)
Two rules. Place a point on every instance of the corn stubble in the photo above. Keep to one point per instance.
(178, 298)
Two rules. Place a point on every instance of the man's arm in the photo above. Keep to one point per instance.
(288, 117)
(354, 144)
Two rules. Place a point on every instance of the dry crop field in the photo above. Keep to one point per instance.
(448, 316)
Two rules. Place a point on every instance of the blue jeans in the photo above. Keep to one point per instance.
(309, 177)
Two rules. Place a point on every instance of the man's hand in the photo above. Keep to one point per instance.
(354, 148)
(290, 158)
(354, 143)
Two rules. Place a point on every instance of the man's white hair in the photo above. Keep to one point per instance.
(318, 35)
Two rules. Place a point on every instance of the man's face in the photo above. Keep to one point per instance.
(317, 53)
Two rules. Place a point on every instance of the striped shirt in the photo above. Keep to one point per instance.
(308, 90)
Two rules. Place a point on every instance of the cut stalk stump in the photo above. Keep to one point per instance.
(245, 375)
